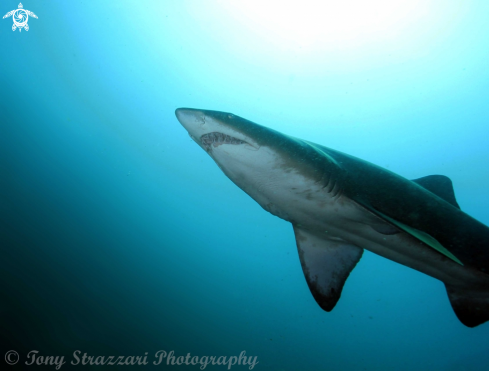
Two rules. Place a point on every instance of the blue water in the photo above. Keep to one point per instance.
(120, 236)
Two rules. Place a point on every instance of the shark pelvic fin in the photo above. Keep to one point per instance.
(439, 185)
(326, 264)
(420, 235)
(470, 305)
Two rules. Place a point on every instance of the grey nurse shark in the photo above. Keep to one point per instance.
(339, 205)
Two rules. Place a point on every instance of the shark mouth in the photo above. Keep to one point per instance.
(215, 139)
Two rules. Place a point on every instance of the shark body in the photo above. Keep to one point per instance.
(340, 205)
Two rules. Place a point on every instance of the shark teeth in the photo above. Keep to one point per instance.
(215, 139)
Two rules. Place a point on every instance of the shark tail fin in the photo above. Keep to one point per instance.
(470, 305)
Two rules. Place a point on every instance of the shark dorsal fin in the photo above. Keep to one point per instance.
(440, 185)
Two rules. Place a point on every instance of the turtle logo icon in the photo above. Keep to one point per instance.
(20, 17)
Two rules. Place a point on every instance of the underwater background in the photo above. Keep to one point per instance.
(120, 236)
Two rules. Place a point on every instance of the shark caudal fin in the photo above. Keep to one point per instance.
(470, 305)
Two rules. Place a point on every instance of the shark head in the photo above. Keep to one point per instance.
(215, 131)
(246, 152)
(265, 163)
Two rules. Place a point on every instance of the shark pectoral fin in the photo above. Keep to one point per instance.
(420, 235)
(326, 265)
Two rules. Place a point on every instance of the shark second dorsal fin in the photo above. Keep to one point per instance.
(326, 264)
(440, 185)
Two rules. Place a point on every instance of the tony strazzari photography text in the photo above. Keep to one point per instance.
(161, 357)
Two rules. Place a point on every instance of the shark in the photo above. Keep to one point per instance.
(339, 205)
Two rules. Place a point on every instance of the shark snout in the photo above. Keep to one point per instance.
(191, 119)
(214, 128)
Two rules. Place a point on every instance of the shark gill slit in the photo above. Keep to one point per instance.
(337, 194)
(327, 182)
(332, 186)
